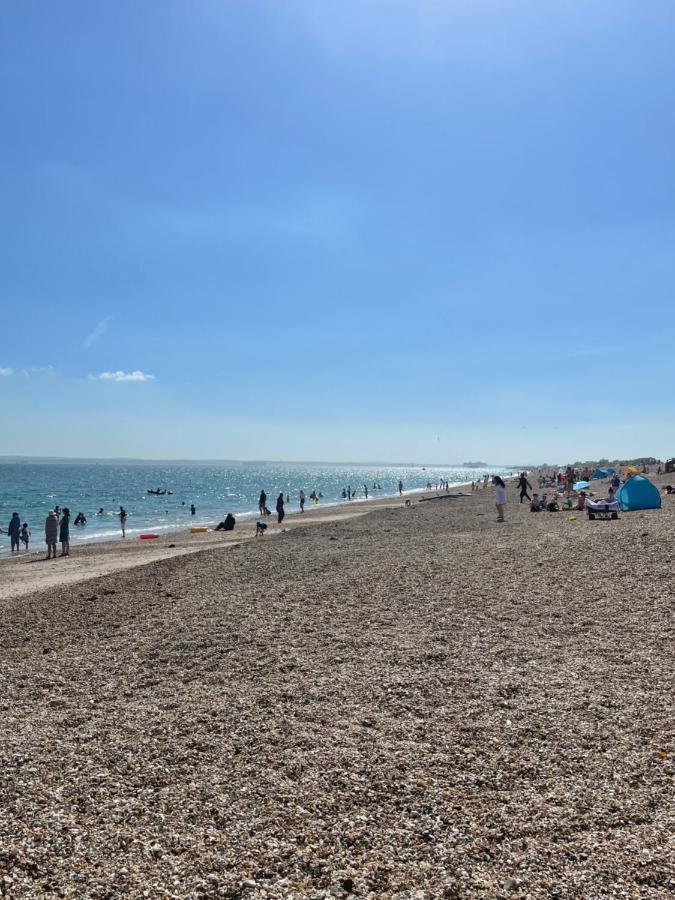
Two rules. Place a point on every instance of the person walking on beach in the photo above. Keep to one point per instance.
(123, 521)
(500, 496)
(400, 487)
(302, 501)
(262, 503)
(25, 534)
(51, 534)
(64, 532)
(523, 485)
(280, 508)
(365, 490)
(14, 531)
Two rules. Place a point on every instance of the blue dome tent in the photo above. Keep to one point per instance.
(638, 493)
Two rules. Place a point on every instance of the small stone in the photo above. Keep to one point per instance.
(451, 890)
(156, 850)
(511, 884)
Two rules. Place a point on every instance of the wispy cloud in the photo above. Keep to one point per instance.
(136, 375)
(6, 371)
(38, 370)
(97, 333)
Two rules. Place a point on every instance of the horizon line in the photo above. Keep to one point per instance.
(141, 459)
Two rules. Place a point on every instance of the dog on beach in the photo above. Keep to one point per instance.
(260, 529)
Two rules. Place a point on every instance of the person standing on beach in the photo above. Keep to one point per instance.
(523, 485)
(64, 532)
(262, 503)
(14, 531)
(569, 480)
(302, 501)
(25, 534)
(500, 497)
(51, 534)
(193, 509)
(280, 508)
(123, 521)
(400, 487)
(365, 490)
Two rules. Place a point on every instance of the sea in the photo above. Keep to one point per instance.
(98, 489)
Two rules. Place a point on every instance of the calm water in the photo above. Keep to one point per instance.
(32, 489)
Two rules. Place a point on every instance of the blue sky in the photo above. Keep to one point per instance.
(347, 230)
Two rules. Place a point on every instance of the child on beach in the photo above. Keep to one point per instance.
(500, 496)
(25, 534)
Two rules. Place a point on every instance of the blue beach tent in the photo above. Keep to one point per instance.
(638, 493)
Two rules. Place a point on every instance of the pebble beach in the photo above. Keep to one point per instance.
(415, 702)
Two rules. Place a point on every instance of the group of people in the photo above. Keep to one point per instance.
(522, 485)
(349, 494)
(443, 486)
(18, 532)
(539, 504)
(281, 512)
(57, 530)
(561, 483)
(482, 482)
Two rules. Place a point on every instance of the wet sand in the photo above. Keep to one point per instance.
(414, 703)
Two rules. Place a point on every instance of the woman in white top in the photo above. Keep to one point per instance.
(500, 496)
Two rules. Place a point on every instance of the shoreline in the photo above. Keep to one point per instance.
(23, 573)
(151, 518)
